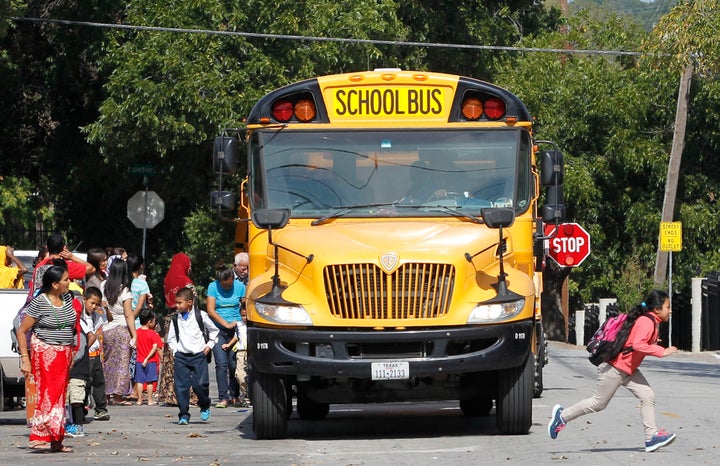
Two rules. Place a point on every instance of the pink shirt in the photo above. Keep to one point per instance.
(643, 339)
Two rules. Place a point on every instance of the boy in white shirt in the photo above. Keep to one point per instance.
(191, 338)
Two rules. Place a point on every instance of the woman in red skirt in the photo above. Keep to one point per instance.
(51, 319)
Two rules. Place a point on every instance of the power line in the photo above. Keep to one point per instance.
(323, 39)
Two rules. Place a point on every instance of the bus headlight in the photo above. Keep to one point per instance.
(283, 313)
(484, 313)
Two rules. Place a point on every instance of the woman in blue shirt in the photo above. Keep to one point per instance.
(223, 307)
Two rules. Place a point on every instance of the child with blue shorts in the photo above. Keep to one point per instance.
(149, 352)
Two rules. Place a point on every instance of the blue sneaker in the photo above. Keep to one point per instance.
(205, 415)
(183, 421)
(74, 430)
(556, 422)
(659, 440)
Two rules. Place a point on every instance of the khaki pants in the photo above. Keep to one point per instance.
(609, 380)
(240, 373)
(76, 391)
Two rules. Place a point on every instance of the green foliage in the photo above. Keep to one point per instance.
(16, 203)
(689, 33)
(206, 242)
(612, 119)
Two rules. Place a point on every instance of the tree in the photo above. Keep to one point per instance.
(472, 22)
(612, 120)
(676, 42)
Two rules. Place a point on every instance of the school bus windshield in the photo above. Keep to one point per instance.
(390, 173)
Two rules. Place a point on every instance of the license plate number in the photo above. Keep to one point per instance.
(395, 370)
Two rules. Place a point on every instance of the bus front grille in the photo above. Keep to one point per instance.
(412, 291)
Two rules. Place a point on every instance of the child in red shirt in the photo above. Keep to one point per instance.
(149, 352)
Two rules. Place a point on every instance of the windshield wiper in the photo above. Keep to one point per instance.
(342, 210)
(455, 212)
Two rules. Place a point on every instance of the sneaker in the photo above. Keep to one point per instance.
(101, 416)
(659, 440)
(183, 421)
(74, 430)
(221, 404)
(245, 403)
(556, 423)
(205, 415)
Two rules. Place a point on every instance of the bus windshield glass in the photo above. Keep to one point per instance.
(399, 173)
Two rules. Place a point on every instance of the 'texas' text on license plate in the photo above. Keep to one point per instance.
(391, 370)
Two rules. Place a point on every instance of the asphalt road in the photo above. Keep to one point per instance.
(688, 403)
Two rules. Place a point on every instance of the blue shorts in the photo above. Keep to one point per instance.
(146, 374)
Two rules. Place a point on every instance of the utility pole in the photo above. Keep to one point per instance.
(673, 172)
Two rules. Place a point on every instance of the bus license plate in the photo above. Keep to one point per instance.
(396, 370)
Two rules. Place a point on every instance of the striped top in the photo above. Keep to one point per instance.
(55, 324)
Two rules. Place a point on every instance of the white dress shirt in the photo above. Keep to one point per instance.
(191, 338)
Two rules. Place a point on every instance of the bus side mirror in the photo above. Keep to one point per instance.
(552, 172)
(552, 168)
(270, 219)
(225, 154)
(498, 218)
(224, 200)
(554, 210)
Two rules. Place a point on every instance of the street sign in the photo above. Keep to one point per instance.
(145, 169)
(145, 209)
(570, 246)
(671, 236)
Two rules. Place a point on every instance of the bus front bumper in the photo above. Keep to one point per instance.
(429, 352)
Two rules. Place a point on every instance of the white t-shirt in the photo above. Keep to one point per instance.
(117, 310)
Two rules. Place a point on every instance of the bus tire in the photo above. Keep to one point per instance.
(540, 361)
(514, 401)
(269, 406)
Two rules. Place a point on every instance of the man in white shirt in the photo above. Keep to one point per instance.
(191, 338)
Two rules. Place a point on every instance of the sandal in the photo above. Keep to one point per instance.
(59, 448)
(38, 445)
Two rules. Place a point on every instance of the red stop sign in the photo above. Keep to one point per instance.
(571, 246)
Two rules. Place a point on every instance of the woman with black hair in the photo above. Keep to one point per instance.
(624, 370)
(224, 296)
(51, 319)
(119, 333)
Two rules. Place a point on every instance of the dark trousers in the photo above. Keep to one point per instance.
(191, 370)
(96, 384)
(225, 365)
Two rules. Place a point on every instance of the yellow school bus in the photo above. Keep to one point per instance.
(395, 242)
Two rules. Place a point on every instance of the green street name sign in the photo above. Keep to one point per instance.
(141, 170)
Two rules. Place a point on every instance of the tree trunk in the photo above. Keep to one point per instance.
(553, 317)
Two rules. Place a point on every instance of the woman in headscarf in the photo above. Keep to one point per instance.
(177, 277)
(11, 276)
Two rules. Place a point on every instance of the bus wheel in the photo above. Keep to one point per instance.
(479, 405)
(514, 400)
(540, 362)
(269, 406)
(309, 409)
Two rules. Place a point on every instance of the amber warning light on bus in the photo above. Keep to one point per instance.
(473, 108)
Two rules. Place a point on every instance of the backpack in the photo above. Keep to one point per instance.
(609, 340)
(201, 324)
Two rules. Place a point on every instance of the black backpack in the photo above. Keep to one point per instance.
(201, 324)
